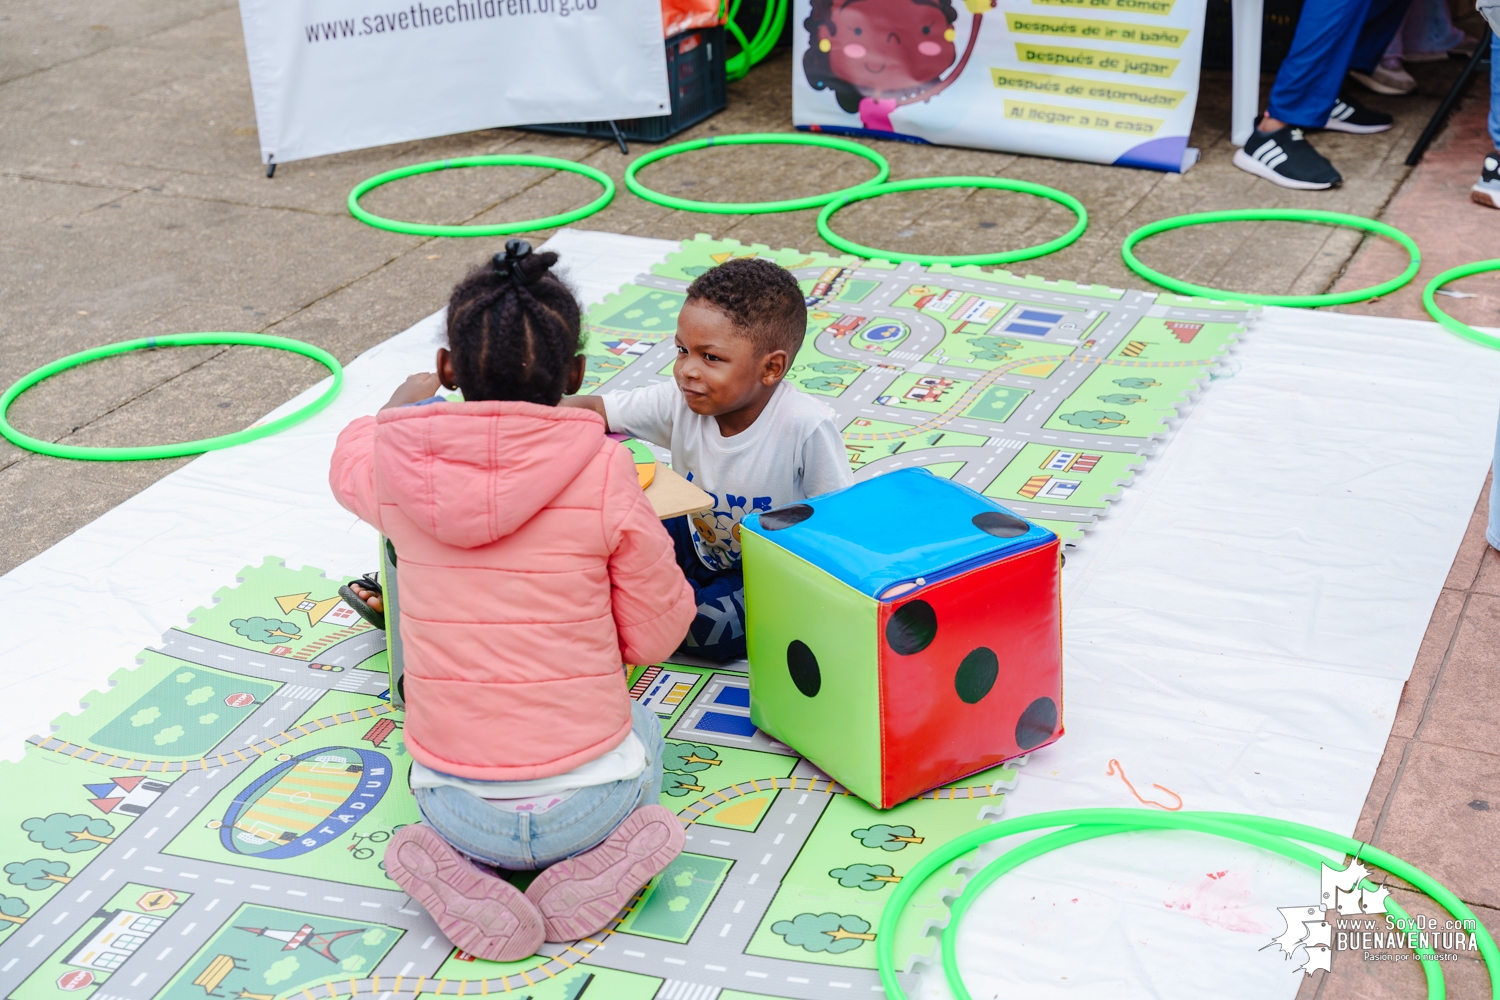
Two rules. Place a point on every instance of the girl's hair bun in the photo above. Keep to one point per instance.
(521, 265)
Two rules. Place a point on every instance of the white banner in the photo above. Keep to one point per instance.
(1106, 81)
(333, 75)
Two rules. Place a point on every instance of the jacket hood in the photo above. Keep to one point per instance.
(472, 473)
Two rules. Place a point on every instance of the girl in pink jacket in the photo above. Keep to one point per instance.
(531, 568)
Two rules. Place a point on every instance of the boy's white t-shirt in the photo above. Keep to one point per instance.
(793, 451)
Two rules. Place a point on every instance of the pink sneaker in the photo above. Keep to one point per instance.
(481, 913)
(581, 895)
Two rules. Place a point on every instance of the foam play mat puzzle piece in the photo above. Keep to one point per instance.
(215, 822)
(960, 370)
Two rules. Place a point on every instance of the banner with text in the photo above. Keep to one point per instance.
(333, 75)
(1107, 81)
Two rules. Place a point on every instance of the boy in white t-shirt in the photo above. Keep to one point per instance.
(734, 428)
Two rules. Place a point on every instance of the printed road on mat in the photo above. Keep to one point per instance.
(1041, 394)
(214, 825)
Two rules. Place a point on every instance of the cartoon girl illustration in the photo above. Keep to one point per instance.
(877, 55)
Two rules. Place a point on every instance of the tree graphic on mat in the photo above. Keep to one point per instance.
(1122, 399)
(70, 834)
(37, 874)
(12, 909)
(259, 629)
(1136, 383)
(1094, 419)
(993, 348)
(689, 757)
(824, 383)
(887, 838)
(871, 878)
(679, 785)
(828, 932)
(837, 367)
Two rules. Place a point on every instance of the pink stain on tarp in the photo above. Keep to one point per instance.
(876, 114)
(1219, 899)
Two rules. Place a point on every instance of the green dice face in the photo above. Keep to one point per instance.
(814, 666)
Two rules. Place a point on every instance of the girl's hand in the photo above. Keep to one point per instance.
(416, 388)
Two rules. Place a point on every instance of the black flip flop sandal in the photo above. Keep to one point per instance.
(369, 614)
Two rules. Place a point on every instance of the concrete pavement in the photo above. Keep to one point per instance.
(135, 204)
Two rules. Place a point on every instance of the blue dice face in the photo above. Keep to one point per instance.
(897, 532)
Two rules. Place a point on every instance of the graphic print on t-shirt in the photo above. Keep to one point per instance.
(716, 533)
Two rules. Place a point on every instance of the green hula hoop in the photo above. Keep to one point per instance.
(883, 170)
(503, 229)
(924, 183)
(41, 447)
(1278, 836)
(1273, 215)
(1429, 300)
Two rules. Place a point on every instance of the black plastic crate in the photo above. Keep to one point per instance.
(695, 78)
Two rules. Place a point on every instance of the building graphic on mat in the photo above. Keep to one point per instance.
(1070, 461)
(827, 285)
(330, 609)
(929, 389)
(130, 795)
(120, 936)
(662, 691)
(1053, 488)
(933, 302)
(845, 326)
(305, 937)
(629, 348)
(1184, 332)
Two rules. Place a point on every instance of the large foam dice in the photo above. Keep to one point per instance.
(903, 633)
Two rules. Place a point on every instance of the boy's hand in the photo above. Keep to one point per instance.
(416, 388)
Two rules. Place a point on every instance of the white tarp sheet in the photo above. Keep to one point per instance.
(333, 75)
(1238, 631)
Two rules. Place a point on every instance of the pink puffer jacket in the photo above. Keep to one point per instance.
(531, 567)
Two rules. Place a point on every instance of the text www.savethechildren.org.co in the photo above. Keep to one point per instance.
(422, 16)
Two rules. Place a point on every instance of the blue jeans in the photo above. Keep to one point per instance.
(1333, 37)
(521, 841)
(1494, 138)
(718, 633)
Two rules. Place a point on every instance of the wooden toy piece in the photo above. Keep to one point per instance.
(672, 496)
(645, 462)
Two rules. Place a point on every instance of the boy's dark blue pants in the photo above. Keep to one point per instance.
(718, 633)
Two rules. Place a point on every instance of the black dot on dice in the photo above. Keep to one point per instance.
(1000, 524)
(976, 674)
(785, 517)
(1037, 723)
(803, 666)
(911, 627)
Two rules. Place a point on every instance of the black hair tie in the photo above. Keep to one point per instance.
(509, 263)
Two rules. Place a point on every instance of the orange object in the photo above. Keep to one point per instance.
(678, 16)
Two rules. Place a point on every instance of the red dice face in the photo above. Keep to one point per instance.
(970, 672)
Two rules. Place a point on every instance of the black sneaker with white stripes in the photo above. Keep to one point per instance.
(1285, 157)
(1487, 191)
(1348, 115)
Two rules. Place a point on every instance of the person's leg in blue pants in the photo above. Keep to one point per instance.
(1332, 36)
(1495, 89)
(718, 633)
(1487, 191)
